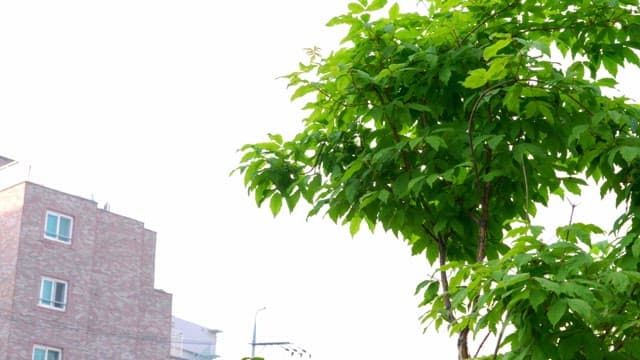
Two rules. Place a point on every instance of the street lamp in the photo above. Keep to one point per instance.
(272, 343)
(253, 341)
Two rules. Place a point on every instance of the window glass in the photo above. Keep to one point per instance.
(53, 293)
(60, 292)
(51, 228)
(43, 353)
(64, 232)
(58, 227)
(46, 292)
(39, 354)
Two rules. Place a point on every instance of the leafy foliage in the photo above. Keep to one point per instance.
(448, 128)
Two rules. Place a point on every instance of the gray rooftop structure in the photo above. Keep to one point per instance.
(5, 161)
(190, 341)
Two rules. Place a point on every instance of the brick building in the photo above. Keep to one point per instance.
(76, 281)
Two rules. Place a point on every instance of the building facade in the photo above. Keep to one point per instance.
(76, 281)
(190, 341)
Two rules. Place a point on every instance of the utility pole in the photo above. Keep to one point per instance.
(253, 339)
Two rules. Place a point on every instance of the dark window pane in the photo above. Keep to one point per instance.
(53, 355)
(64, 232)
(60, 292)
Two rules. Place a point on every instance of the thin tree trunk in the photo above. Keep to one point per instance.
(442, 247)
(463, 337)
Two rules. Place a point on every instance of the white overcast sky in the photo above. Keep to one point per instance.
(143, 104)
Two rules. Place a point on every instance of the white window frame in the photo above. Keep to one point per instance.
(56, 237)
(46, 350)
(52, 302)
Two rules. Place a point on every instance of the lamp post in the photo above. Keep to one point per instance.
(253, 339)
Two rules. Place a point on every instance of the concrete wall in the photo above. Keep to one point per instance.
(113, 311)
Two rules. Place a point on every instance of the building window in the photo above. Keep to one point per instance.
(53, 294)
(46, 353)
(58, 227)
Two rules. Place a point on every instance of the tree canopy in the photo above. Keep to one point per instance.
(449, 128)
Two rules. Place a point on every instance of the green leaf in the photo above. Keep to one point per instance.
(394, 11)
(430, 293)
(549, 285)
(545, 109)
(521, 150)
(302, 91)
(445, 74)
(354, 225)
(421, 285)
(556, 311)
(619, 280)
(576, 132)
(384, 73)
(514, 279)
(361, 78)
(435, 142)
(432, 179)
(572, 187)
(491, 51)
(635, 249)
(419, 107)
(537, 297)
(400, 187)
(607, 82)
(292, 200)
(512, 98)
(568, 346)
(248, 156)
(275, 204)
(351, 190)
(415, 181)
(498, 69)
(581, 307)
(383, 195)
(494, 141)
(610, 65)
(477, 78)
(376, 5)
(367, 199)
(629, 153)
(543, 46)
(355, 8)
(432, 255)
(275, 138)
(352, 169)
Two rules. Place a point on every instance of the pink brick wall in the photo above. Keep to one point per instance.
(10, 213)
(112, 311)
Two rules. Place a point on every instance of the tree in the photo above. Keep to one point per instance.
(448, 129)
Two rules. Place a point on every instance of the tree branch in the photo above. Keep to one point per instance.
(444, 281)
(526, 191)
(495, 352)
(442, 259)
(472, 115)
(463, 347)
(481, 344)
